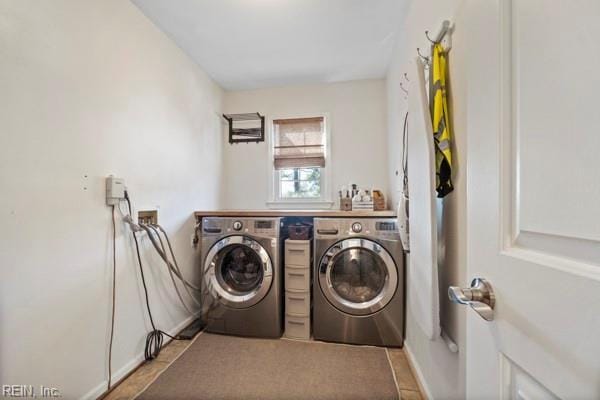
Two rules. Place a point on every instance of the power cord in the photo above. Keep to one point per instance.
(405, 154)
(114, 295)
(155, 338)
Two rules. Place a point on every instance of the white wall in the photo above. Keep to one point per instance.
(357, 117)
(89, 88)
(442, 372)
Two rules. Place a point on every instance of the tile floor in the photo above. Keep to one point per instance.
(144, 375)
(409, 389)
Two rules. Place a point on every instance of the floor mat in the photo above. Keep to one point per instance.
(219, 367)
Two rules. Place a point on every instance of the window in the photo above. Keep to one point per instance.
(300, 183)
(299, 160)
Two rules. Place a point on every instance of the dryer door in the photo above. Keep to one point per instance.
(358, 276)
(238, 271)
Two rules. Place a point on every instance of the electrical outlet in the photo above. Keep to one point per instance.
(149, 217)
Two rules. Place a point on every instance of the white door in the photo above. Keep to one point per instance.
(534, 197)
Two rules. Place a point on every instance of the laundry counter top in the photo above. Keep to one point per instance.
(297, 213)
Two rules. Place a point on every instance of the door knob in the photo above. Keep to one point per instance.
(480, 296)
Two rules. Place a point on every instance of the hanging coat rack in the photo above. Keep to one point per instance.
(246, 128)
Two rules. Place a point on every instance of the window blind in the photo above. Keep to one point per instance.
(299, 143)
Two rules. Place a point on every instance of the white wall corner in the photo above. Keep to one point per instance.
(417, 372)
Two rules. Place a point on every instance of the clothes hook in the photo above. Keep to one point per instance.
(403, 89)
(447, 28)
(426, 59)
(430, 39)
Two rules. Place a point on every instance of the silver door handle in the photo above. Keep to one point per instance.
(480, 296)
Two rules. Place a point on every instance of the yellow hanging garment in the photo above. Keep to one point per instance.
(441, 121)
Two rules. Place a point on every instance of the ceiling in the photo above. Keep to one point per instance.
(248, 44)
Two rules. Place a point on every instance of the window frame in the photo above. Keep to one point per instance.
(275, 199)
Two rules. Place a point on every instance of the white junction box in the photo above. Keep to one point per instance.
(115, 190)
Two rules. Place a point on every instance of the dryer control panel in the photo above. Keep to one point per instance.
(337, 227)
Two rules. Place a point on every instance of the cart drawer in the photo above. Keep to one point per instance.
(297, 303)
(297, 327)
(297, 279)
(297, 252)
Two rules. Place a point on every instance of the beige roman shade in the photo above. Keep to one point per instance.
(299, 142)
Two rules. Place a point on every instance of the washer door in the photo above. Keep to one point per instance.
(238, 271)
(358, 276)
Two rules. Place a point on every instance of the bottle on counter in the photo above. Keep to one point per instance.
(345, 201)
(354, 187)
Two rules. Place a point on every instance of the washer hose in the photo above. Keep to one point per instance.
(154, 339)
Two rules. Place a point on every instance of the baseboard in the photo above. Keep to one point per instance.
(100, 389)
(416, 370)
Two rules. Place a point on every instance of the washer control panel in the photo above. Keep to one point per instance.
(261, 227)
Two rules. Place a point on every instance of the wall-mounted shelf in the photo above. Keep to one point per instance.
(246, 128)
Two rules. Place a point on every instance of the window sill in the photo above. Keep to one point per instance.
(300, 205)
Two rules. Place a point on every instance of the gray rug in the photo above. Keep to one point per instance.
(219, 367)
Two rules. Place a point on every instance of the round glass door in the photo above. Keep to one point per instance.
(358, 276)
(238, 271)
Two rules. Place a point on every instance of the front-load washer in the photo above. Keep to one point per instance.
(358, 281)
(242, 279)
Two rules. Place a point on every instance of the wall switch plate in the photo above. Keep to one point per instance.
(115, 190)
(149, 217)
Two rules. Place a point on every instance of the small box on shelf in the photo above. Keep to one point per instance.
(345, 204)
(379, 204)
(362, 205)
(378, 200)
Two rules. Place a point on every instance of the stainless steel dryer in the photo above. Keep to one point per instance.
(242, 279)
(358, 281)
